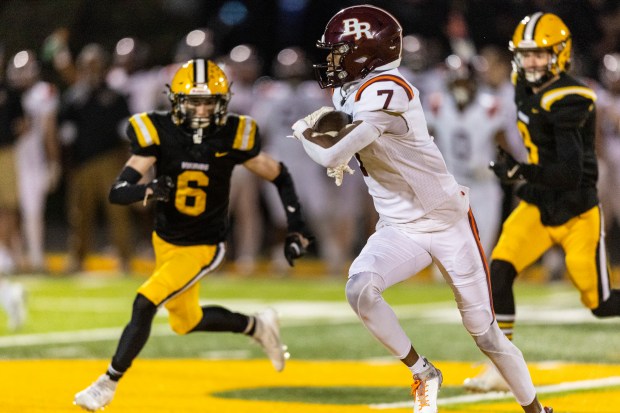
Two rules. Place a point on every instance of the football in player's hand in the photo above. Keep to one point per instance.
(332, 121)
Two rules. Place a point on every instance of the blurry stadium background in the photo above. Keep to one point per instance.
(74, 320)
(161, 27)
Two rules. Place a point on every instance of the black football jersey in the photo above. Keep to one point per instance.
(565, 104)
(197, 212)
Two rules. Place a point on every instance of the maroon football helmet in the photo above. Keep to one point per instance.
(359, 39)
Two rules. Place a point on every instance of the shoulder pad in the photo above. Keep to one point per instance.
(554, 95)
(245, 136)
(145, 130)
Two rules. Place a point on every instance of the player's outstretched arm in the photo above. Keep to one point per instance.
(276, 172)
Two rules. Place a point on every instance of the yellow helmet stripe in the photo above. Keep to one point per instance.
(554, 95)
(246, 134)
(145, 130)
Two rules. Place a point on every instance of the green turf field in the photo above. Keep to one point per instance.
(81, 317)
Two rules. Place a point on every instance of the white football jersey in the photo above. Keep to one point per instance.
(403, 168)
(39, 102)
(466, 138)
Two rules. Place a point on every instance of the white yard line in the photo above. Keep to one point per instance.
(475, 398)
(300, 313)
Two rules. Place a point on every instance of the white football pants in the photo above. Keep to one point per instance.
(392, 255)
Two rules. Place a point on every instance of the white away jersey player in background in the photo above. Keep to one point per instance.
(468, 125)
(423, 211)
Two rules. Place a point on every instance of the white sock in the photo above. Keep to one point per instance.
(420, 366)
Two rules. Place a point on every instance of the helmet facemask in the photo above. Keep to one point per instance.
(200, 111)
(539, 75)
(333, 73)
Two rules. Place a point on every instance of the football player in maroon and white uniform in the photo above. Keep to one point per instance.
(424, 214)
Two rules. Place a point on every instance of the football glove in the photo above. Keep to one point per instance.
(309, 121)
(338, 173)
(295, 246)
(505, 167)
(161, 188)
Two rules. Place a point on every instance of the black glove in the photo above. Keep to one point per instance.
(506, 167)
(161, 187)
(294, 248)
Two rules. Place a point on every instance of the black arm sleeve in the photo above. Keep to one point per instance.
(566, 172)
(290, 201)
(125, 190)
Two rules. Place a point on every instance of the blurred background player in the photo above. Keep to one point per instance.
(37, 152)
(243, 66)
(468, 124)
(559, 201)
(421, 64)
(608, 106)
(91, 118)
(12, 124)
(194, 148)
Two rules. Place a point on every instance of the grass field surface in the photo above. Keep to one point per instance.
(336, 366)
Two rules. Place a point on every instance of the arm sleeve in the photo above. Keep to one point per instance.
(125, 190)
(340, 153)
(290, 201)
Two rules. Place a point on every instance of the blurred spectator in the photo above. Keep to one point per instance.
(131, 75)
(92, 118)
(420, 64)
(332, 212)
(457, 32)
(12, 124)
(56, 52)
(37, 152)
(243, 67)
(609, 148)
(468, 125)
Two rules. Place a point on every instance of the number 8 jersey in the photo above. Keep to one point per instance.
(197, 212)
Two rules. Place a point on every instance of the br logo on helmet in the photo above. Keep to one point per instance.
(353, 26)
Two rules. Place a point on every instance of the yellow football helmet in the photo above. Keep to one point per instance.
(198, 83)
(541, 31)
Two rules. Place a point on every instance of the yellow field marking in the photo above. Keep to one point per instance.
(186, 386)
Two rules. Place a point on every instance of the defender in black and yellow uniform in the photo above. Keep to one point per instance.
(560, 206)
(193, 149)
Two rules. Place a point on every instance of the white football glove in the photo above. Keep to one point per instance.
(309, 121)
(338, 173)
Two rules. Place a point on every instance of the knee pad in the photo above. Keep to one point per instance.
(363, 290)
(477, 320)
(494, 343)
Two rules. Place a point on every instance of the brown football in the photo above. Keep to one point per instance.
(332, 121)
